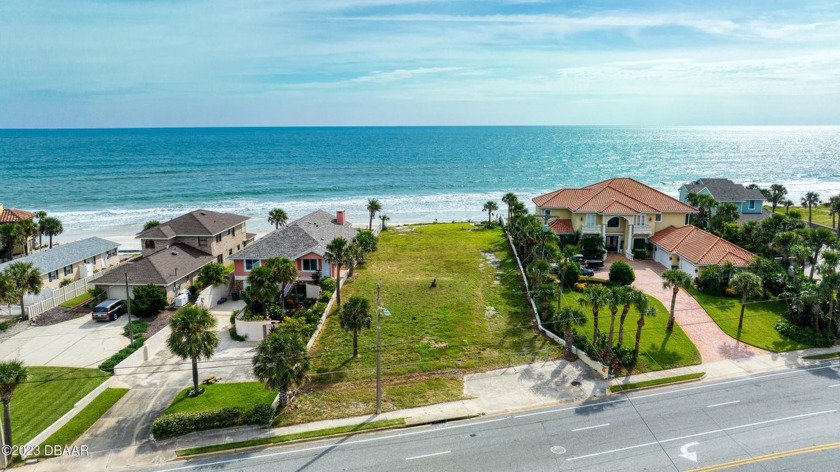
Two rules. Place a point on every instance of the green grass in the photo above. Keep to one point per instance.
(467, 322)
(759, 321)
(830, 355)
(245, 395)
(76, 301)
(821, 213)
(80, 423)
(651, 383)
(341, 400)
(338, 430)
(659, 349)
(47, 395)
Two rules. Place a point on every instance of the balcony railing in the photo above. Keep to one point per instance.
(587, 229)
(641, 229)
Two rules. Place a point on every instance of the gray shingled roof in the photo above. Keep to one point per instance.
(195, 223)
(161, 268)
(66, 254)
(311, 233)
(725, 190)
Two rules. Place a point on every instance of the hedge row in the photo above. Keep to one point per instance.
(805, 335)
(176, 424)
(111, 362)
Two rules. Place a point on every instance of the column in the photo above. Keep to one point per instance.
(629, 244)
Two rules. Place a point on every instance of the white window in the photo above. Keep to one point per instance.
(310, 265)
(53, 275)
(658, 217)
(640, 220)
(251, 264)
(68, 270)
(590, 219)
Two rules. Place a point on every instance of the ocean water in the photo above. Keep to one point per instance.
(99, 180)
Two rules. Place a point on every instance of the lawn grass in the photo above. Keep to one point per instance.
(759, 321)
(321, 402)
(655, 382)
(820, 214)
(659, 349)
(47, 395)
(473, 320)
(338, 430)
(830, 355)
(245, 395)
(76, 301)
(80, 423)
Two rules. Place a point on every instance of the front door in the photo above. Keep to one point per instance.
(611, 244)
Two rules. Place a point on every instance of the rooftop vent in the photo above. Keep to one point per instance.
(203, 213)
(174, 252)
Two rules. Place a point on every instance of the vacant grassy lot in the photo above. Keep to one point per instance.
(659, 350)
(821, 213)
(476, 318)
(245, 395)
(80, 423)
(47, 395)
(759, 321)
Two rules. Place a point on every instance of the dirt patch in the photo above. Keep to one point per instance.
(435, 344)
(59, 315)
(490, 311)
(157, 322)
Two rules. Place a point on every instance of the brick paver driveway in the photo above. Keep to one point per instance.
(713, 344)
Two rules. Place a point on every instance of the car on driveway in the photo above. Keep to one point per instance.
(108, 310)
(585, 271)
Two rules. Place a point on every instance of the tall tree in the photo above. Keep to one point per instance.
(354, 317)
(565, 321)
(817, 239)
(787, 204)
(338, 253)
(810, 200)
(283, 272)
(278, 217)
(383, 218)
(778, 192)
(726, 213)
(52, 227)
(646, 312)
(747, 285)
(193, 337)
(834, 208)
(675, 279)
(261, 291)
(373, 207)
(150, 224)
(782, 243)
(490, 206)
(30, 232)
(595, 297)
(628, 298)
(12, 374)
(11, 236)
(25, 278)
(212, 275)
(41, 214)
(510, 199)
(281, 363)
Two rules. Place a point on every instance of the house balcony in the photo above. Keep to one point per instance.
(589, 229)
(642, 229)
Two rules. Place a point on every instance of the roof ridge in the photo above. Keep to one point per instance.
(659, 192)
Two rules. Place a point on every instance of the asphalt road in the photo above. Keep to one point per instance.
(767, 422)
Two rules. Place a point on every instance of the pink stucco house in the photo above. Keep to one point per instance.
(304, 241)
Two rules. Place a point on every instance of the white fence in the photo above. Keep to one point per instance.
(59, 296)
(146, 352)
(598, 367)
(323, 320)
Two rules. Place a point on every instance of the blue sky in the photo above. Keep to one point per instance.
(159, 63)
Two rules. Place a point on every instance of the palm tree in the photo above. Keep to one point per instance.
(354, 317)
(777, 196)
(510, 200)
(40, 215)
(383, 218)
(278, 217)
(818, 239)
(563, 266)
(262, 290)
(747, 285)
(800, 253)
(150, 224)
(373, 207)
(25, 278)
(564, 321)
(675, 279)
(281, 362)
(193, 337)
(810, 200)
(12, 374)
(337, 254)
(283, 272)
(490, 206)
(644, 312)
(595, 297)
(617, 299)
(787, 204)
(835, 210)
(783, 242)
(11, 236)
(52, 227)
(706, 204)
(626, 296)
(30, 232)
(8, 294)
(539, 271)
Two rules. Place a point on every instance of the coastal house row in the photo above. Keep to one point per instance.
(750, 201)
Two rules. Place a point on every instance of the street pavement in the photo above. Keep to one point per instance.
(678, 428)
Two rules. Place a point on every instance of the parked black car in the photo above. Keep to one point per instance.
(594, 263)
(108, 310)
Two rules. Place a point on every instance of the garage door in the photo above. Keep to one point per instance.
(688, 267)
(663, 258)
(118, 293)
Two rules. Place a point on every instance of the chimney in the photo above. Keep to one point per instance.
(339, 217)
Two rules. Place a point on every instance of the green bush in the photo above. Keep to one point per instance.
(805, 335)
(176, 424)
(596, 280)
(4, 325)
(233, 317)
(328, 284)
(640, 254)
(148, 300)
(236, 336)
(109, 363)
(572, 273)
(325, 297)
(260, 414)
(621, 273)
(138, 327)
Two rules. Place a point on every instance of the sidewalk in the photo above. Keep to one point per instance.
(496, 392)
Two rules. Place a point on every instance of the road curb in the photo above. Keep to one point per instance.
(650, 387)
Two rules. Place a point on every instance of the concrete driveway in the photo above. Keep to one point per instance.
(81, 342)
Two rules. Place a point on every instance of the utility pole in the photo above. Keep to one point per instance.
(128, 302)
(378, 351)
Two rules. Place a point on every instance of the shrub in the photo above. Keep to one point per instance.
(176, 424)
(233, 317)
(805, 335)
(148, 300)
(325, 297)
(592, 246)
(4, 325)
(111, 362)
(640, 254)
(711, 280)
(236, 336)
(65, 282)
(211, 274)
(621, 273)
(572, 273)
(580, 286)
(139, 328)
(260, 414)
(328, 284)
(596, 280)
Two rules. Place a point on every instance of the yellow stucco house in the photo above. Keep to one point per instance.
(623, 211)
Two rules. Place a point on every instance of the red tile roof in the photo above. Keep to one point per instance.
(700, 247)
(12, 215)
(562, 226)
(620, 195)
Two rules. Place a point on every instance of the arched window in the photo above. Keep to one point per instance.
(614, 222)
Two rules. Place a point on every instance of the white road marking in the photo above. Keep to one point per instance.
(569, 408)
(427, 455)
(724, 403)
(701, 434)
(591, 427)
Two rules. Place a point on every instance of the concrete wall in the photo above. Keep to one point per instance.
(151, 347)
(253, 330)
(210, 295)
